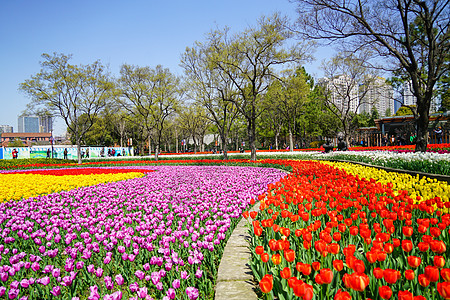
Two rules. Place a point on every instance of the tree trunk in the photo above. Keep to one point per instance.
(156, 152)
(276, 140)
(251, 138)
(291, 141)
(422, 127)
(79, 150)
(149, 145)
(224, 146)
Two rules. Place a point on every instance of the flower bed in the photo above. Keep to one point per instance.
(159, 236)
(326, 233)
(30, 183)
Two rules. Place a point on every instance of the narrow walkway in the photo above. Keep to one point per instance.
(235, 278)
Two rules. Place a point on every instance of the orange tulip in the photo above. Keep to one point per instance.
(338, 265)
(444, 289)
(385, 292)
(289, 255)
(409, 275)
(391, 276)
(405, 295)
(414, 261)
(445, 274)
(266, 283)
(439, 261)
(326, 275)
(285, 273)
(423, 280)
(359, 281)
(276, 259)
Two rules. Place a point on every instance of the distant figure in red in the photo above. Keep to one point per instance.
(15, 153)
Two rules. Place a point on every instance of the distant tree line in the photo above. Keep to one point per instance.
(251, 86)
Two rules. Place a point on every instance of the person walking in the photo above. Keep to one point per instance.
(15, 153)
(65, 153)
(438, 133)
(48, 153)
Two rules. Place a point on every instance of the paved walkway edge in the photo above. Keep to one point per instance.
(235, 278)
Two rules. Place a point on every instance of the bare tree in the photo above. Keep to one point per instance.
(411, 34)
(250, 60)
(73, 92)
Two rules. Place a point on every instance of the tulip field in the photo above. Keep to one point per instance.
(145, 230)
(342, 231)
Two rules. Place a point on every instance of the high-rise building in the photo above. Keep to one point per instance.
(343, 92)
(28, 124)
(35, 124)
(408, 97)
(45, 124)
(378, 95)
(6, 129)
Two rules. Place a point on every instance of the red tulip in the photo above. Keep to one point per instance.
(423, 247)
(439, 261)
(407, 245)
(445, 274)
(265, 257)
(381, 256)
(266, 283)
(385, 292)
(396, 243)
(388, 247)
(299, 288)
(359, 282)
(371, 257)
(245, 214)
(432, 273)
(359, 266)
(342, 295)
(438, 247)
(409, 275)
(258, 231)
(306, 269)
(289, 255)
(391, 276)
(316, 265)
(414, 261)
(285, 273)
(253, 214)
(337, 236)
(259, 250)
(407, 231)
(378, 273)
(338, 265)
(405, 295)
(423, 280)
(435, 232)
(326, 275)
(444, 289)
(419, 297)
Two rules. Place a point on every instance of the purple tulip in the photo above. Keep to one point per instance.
(184, 275)
(139, 274)
(56, 291)
(56, 272)
(94, 293)
(171, 293)
(13, 293)
(134, 287)
(91, 268)
(116, 295)
(176, 283)
(24, 283)
(79, 265)
(199, 273)
(107, 260)
(14, 284)
(142, 292)
(4, 276)
(2, 291)
(119, 279)
(192, 292)
(35, 266)
(99, 272)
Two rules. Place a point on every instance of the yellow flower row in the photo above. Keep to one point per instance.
(426, 188)
(18, 186)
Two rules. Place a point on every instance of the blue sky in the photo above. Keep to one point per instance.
(144, 33)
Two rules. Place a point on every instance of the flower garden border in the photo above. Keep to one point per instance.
(439, 177)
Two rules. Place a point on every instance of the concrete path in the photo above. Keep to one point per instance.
(235, 278)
